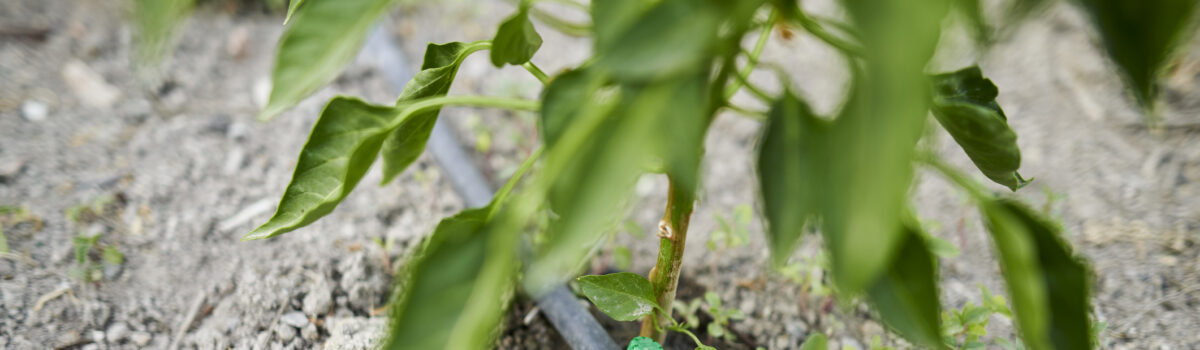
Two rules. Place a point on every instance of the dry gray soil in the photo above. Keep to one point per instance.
(169, 166)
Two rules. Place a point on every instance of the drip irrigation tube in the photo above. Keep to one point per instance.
(561, 307)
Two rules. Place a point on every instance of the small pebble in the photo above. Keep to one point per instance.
(310, 332)
(294, 319)
(34, 111)
(319, 300)
(141, 338)
(98, 336)
(285, 333)
(117, 332)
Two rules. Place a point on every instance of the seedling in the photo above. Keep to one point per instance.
(91, 257)
(660, 72)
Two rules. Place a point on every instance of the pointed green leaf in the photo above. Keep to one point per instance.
(453, 294)
(907, 294)
(876, 135)
(965, 104)
(624, 296)
(406, 143)
(324, 37)
(1047, 283)
(815, 341)
(292, 6)
(1142, 36)
(516, 40)
(791, 162)
(343, 144)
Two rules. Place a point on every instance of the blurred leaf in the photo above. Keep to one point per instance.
(669, 38)
(516, 40)
(815, 341)
(610, 18)
(1048, 284)
(404, 144)
(1142, 36)
(156, 22)
(562, 100)
(113, 255)
(876, 134)
(624, 296)
(292, 6)
(713, 301)
(715, 330)
(966, 106)
(622, 258)
(941, 248)
(434, 308)
(792, 160)
(324, 36)
(601, 152)
(3, 241)
(454, 292)
(643, 343)
(906, 295)
(343, 144)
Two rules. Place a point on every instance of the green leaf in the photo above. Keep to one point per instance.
(113, 255)
(611, 18)
(343, 144)
(516, 40)
(876, 135)
(405, 143)
(942, 248)
(1141, 37)
(792, 158)
(624, 296)
(438, 306)
(324, 36)
(562, 100)
(3, 241)
(156, 22)
(622, 258)
(292, 6)
(966, 106)
(604, 147)
(907, 294)
(671, 37)
(453, 294)
(816, 341)
(643, 343)
(1047, 283)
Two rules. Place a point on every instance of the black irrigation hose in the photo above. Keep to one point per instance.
(560, 306)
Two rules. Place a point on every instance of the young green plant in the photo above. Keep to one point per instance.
(659, 73)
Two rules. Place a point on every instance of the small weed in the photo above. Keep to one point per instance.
(731, 234)
(91, 257)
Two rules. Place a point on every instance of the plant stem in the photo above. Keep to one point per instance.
(426, 104)
(537, 72)
(562, 25)
(672, 230)
(813, 27)
(752, 57)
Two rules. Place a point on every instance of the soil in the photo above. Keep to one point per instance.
(168, 166)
